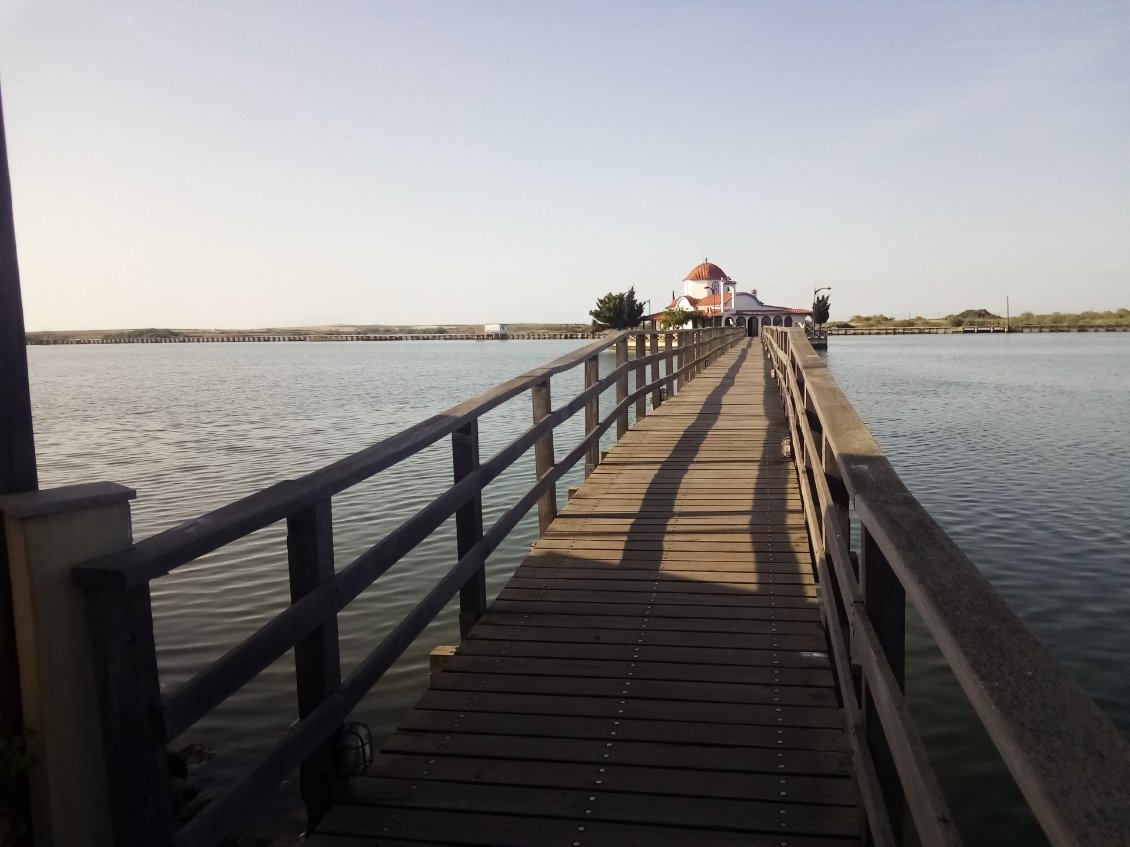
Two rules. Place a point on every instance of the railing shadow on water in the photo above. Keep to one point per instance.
(1068, 760)
(139, 719)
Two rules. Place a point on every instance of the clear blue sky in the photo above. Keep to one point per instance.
(246, 164)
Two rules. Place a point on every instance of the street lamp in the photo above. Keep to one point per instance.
(818, 290)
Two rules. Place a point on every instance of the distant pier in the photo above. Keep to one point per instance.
(227, 338)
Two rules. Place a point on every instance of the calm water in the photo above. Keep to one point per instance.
(1017, 445)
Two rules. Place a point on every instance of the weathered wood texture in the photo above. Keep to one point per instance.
(655, 672)
(1071, 763)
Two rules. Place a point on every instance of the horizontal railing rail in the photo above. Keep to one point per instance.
(1071, 764)
(139, 720)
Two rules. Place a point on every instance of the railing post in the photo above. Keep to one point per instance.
(592, 414)
(317, 658)
(641, 376)
(885, 601)
(89, 670)
(655, 399)
(469, 525)
(672, 385)
(544, 458)
(622, 387)
(680, 358)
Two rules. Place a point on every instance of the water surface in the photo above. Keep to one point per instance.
(1018, 445)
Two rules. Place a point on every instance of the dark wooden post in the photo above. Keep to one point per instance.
(133, 736)
(17, 444)
(544, 458)
(681, 358)
(655, 399)
(317, 659)
(885, 600)
(622, 387)
(469, 525)
(641, 376)
(592, 414)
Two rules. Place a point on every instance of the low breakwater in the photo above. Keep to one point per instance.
(214, 338)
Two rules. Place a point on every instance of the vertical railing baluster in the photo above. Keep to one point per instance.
(885, 601)
(469, 525)
(669, 340)
(641, 376)
(544, 458)
(622, 387)
(654, 345)
(592, 414)
(680, 358)
(317, 658)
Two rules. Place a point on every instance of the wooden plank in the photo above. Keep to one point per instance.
(639, 672)
(538, 632)
(472, 828)
(698, 712)
(672, 566)
(645, 652)
(792, 557)
(610, 752)
(596, 684)
(559, 726)
(679, 626)
(695, 811)
(669, 599)
(651, 611)
(600, 569)
(661, 587)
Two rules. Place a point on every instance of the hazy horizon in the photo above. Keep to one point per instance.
(259, 164)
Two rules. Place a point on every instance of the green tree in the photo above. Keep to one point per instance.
(617, 311)
(674, 318)
(820, 310)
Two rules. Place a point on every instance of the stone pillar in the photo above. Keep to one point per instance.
(49, 532)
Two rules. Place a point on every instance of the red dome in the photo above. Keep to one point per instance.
(705, 272)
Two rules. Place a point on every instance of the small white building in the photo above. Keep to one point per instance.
(715, 296)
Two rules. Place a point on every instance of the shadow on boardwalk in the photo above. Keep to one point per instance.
(655, 672)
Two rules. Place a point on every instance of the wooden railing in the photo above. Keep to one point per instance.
(139, 721)
(1069, 761)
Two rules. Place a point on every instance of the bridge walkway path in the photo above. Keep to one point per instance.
(654, 673)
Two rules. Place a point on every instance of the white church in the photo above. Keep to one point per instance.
(715, 296)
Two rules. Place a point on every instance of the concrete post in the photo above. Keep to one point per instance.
(48, 532)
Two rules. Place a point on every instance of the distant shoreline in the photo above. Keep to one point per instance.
(452, 332)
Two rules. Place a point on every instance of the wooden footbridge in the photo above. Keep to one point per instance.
(704, 647)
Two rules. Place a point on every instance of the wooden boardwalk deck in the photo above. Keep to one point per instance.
(654, 673)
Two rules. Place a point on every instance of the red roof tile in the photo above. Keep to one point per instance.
(706, 271)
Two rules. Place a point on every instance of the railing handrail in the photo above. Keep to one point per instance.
(124, 642)
(159, 554)
(1070, 762)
